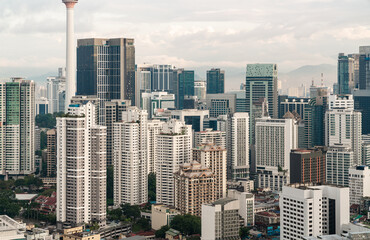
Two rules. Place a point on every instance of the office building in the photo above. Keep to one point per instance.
(221, 220)
(275, 138)
(161, 78)
(154, 128)
(261, 82)
(210, 136)
(157, 100)
(106, 68)
(194, 186)
(184, 86)
(338, 161)
(308, 165)
(56, 92)
(113, 114)
(17, 130)
(215, 81)
(200, 90)
(364, 67)
(319, 105)
(193, 117)
(346, 81)
(214, 158)
(162, 215)
(237, 145)
(313, 210)
(51, 153)
(175, 138)
(220, 104)
(366, 150)
(359, 182)
(131, 157)
(241, 102)
(362, 104)
(246, 205)
(42, 106)
(259, 110)
(81, 167)
(343, 125)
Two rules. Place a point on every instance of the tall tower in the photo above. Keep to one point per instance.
(71, 53)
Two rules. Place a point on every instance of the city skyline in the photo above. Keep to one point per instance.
(288, 33)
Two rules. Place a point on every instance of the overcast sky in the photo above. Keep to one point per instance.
(187, 33)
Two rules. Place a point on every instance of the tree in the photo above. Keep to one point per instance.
(47, 120)
(186, 224)
(115, 214)
(161, 233)
(8, 204)
(144, 224)
(244, 232)
(151, 187)
(132, 212)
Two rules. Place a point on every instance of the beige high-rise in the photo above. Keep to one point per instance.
(213, 157)
(51, 155)
(194, 186)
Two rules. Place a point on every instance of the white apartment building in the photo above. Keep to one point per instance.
(81, 167)
(174, 145)
(313, 210)
(56, 91)
(246, 205)
(210, 136)
(17, 128)
(275, 138)
(237, 142)
(343, 125)
(154, 128)
(131, 157)
(338, 162)
(220, 220)
(359, 184)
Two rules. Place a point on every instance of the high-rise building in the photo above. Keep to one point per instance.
(343, 125)
(215, 81)
(174, 145)
(42, 106)
(214, 158)
(364, 67)
(210, 136)
(237, 143)
(308, 165)
(17, 129)
(194, 186)
(51, 154)
(261, 82)
(338, 161)
(315, 120)
(241, 101)
(346, 76)
(131, 157)
(200, 90)
(221, 220)
(113, 114)
(220, 104)
(359, 181)
(106, 68)
(259, 110)
(246, 205)
(56, 92)
(313, 210)
(81, 167)
(154, 128)
(193, 117)
(151, 101)
(275, 138)
(185, 86)
(362, 104)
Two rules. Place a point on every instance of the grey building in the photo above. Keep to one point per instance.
(106, 68)
(220, 104)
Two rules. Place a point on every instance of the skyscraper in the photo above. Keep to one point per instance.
(106, 68)
(174, 145)
(51, 154)
(154, 128)
(345, 74)
(215, 81)
(237, 143)
(17, 129)
(56, 92)
(131, 158)
(275, 138)
(364, 67)
(185, 86)
(261, 82)
(81, 167)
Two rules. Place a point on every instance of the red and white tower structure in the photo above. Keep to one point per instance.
(71, 53)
